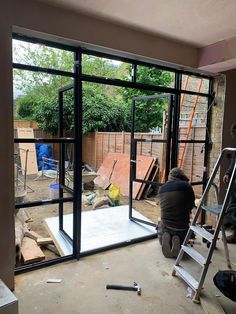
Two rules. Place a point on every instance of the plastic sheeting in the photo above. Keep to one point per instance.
(45, 151)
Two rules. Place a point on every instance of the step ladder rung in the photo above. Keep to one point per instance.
(214, 209)
(194, 254)
(192, 282)
(203, 233)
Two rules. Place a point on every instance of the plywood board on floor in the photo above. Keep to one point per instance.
(115, 169)
(100, 229)
(32, 167)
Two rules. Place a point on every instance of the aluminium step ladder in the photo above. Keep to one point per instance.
(219, 211)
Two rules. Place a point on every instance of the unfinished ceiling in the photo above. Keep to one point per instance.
(197, 22)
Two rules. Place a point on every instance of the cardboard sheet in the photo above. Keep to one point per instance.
(32, 167)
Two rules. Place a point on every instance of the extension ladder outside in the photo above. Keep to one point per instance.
(190, 119)
(219, 211)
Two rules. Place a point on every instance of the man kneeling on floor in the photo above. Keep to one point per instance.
(176, 202)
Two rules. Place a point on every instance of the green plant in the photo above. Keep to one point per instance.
(105, 108)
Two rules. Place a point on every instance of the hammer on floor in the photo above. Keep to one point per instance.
(135, 287)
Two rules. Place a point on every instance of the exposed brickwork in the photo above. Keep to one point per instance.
(217, 116)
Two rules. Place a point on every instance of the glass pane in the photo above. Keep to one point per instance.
(36, 101)
(42, 56)
(155, 76)
(195, 84)
(105, 108)
(191, 160)
(192, 126)
(149, 113)
(148, 204)
(37, 170)
(106, 68)
(193, 117)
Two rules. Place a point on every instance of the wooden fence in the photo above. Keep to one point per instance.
(97, 144)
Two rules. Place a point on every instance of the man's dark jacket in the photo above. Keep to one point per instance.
(176, 202)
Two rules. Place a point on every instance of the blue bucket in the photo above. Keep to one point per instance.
(54, 190)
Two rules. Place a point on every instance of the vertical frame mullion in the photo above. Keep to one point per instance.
(61, 159)
(176, 116)
(133, 146)
(207, 142)
(168, 135)
(77, 154)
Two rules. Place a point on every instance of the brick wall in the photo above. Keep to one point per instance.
(216, 128)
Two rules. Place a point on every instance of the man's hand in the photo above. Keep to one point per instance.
(226, 178)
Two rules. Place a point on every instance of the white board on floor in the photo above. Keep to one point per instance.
(100, 228)
(32, 167)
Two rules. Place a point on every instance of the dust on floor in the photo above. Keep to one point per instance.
(41, 191)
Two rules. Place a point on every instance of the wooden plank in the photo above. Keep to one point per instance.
(152, 177)
(32, 167)
(146, 177)
(30, 251)
(44, 241)
(151, 203)
(53, 249)
(32, 235)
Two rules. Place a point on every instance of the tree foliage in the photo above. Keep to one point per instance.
(105, 108)
(148, 114)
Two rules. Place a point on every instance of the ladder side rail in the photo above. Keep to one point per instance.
(202, 277)
(208, 186)
(199, 208)
(222, 228)
(218, 227)
(209, 183)
(225, 203)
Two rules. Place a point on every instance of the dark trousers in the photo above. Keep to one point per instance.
(161, 228)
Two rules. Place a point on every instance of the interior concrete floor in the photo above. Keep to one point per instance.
(83, 286)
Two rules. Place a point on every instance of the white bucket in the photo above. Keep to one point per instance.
(54, 191)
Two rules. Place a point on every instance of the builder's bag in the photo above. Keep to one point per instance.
(114, 194)
(225, 281)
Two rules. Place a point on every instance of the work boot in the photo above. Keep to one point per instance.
(166, 245)
(231, 238)
(175, 245)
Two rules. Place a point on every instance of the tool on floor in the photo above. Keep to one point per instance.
(135, 287)
(219, 211)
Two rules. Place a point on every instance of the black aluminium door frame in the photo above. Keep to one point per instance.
(79, 77)
(62, 177)
(169, 161)
(77, 188)
(62, 141)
